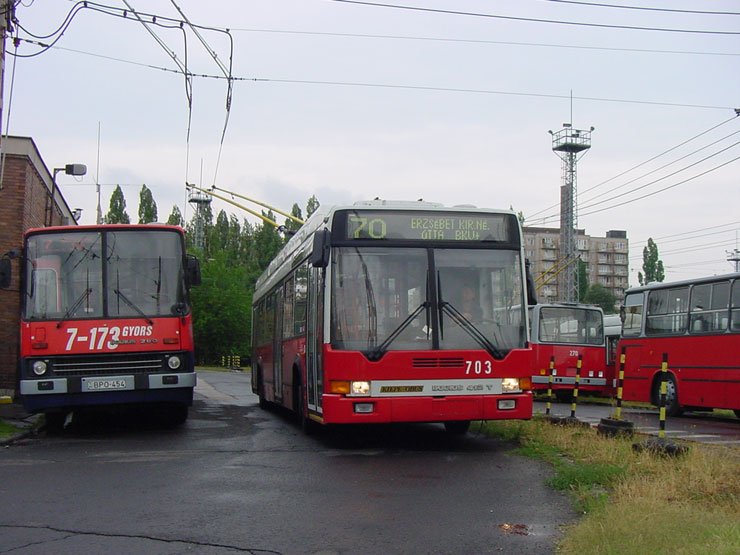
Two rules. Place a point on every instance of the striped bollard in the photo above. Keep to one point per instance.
(548, 406)
(659, 445)
(579, 364)
(616, 426)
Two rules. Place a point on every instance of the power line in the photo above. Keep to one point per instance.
(588, 205)
(534, 20)
(689, 232)
(401, 87)
(481, 41)
(687, 239)
(663, 189)
(643, 8)
(734, 118)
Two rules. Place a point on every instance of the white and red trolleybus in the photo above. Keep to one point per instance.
(696, 323)
(396, 312)
(105, 319)
(560, 334)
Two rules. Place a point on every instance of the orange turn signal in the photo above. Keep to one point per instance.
(341, 387)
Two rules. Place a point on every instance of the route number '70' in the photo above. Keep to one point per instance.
(478, 367)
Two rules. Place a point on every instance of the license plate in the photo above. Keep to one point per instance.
(114, 383)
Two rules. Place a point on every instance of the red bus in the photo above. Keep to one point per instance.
(697, 324)
(105, 319)
(362, 317)
(564, 332)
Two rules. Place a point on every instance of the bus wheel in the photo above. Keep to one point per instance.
(176, 415)
(564, 395)
(672, 406)
(457, 427)
(54, 422)
(299, 402)
(737, 413)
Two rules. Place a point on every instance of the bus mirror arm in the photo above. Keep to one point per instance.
(321, 248)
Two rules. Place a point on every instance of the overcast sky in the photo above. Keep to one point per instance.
(349, 101)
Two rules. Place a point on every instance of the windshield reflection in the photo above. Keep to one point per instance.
(387, 299)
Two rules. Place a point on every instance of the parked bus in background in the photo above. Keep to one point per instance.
(361, 318)
(563, 332)
(105, 319)
(696, 323)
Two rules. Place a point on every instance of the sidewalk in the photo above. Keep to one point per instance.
(13, 413)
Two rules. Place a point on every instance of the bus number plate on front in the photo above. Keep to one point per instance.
(113, 383)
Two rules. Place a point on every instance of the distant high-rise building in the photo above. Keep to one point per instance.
(606, 258)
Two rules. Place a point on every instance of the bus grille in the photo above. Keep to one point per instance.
(109, 364)
(438, 362)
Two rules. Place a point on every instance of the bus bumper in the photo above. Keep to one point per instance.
(338, 409)
(55, 393)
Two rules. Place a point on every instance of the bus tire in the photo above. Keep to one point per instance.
(176, 416)
(299, 404)
(672, 405)
(737, 413)
(54, 422)
(457, 427)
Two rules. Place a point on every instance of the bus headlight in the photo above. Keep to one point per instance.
(360, 388)
(510, 385)
(174, 362)
(39, 367)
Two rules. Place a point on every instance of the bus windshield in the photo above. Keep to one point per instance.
(140, 274)
(571, 325)
(386, 298)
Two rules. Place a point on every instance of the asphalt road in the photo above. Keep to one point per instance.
(237, 479)
(700, 427)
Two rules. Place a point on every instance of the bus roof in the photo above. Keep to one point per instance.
(669, 284)
(101, 227)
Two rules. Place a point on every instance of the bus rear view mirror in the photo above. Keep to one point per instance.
(193, 269)
(5, 274)
(321, 249)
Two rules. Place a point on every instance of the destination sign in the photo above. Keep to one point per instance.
(428, 226)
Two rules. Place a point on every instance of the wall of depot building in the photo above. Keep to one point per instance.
(25, 202)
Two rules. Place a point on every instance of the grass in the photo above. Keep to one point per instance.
(7, 430)
(637, 502)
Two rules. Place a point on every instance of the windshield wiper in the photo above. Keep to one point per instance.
(470, 329)
(72, 309)
(381, 349)
(132, 306)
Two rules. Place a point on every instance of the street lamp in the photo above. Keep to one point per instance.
(69, 169)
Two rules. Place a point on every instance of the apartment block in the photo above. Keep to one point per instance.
(606, 258)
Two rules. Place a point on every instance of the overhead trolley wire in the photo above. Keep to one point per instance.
(642, 8)
(533, 19)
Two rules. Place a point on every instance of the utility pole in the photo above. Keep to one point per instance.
(7, 14)
(734, 257)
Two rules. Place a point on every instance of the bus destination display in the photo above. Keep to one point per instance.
(434, 226)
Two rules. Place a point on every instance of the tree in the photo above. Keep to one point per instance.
(651, 265)
(311, 206)
(176, 217)
(292, 225)
(147, 206)
(117, 211)
(601, 296)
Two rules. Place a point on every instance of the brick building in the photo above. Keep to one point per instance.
(27, 199)
(607, 260)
